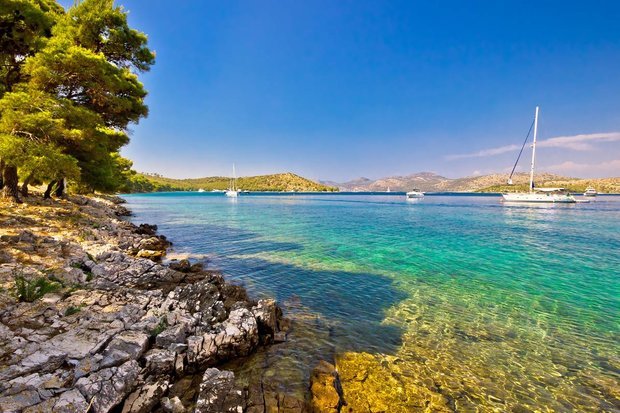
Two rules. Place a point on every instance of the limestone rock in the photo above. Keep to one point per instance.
(218, 393)
(146, 397)
(172, 405)
(159, 361)
(170, 336)
(267, 315)
(109, 386)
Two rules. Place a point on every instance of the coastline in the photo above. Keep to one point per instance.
(98, 323)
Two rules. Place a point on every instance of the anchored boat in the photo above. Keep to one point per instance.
(415, 194)
(553, 195)
(233, 191)
(590, 191)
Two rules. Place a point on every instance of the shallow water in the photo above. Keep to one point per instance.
(488, 305)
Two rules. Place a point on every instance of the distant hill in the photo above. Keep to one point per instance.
(276, 182)
(431, 182)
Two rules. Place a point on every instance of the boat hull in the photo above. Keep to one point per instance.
(539, 198)
(232, 194)
(415, 195)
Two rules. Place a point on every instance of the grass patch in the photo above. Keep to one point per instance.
(159, 327)
(72, 310)
(29, 290)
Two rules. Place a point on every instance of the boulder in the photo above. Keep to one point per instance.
(183, 265)
(146, 398)
(236, 337)
(171, 335)
(109, 386)
(172, 405)
(218, 393)
(159, 361)
(267, 315)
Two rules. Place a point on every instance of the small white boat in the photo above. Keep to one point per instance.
(201, 190)
(590, 192)
(388, 190)
(415, 194)
(552, 195)
(233, 191)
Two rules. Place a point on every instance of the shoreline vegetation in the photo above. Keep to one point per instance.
(284, 182)
(91, 317)
(426, 181)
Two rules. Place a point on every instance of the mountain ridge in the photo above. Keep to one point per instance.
(432, 182)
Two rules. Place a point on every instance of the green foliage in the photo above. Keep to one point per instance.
(70, 90)
(159, 327)
(72, 310)
(24, 27)
(275, 182)
(29, 290)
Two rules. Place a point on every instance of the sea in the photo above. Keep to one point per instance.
(458, 300)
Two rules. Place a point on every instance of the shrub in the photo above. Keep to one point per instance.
(159, 328)
(29, 290)
(72, 310)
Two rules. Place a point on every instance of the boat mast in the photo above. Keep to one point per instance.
(534, 150)
(234, 183)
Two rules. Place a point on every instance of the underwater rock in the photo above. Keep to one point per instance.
(326, 389)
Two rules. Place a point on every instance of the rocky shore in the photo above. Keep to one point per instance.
(91, 320)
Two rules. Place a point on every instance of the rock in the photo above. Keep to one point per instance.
(267, 315)
(70, 401)
(326, 389)
(109, 386)
(236, 337)
(218, 393)
(183, 265)
(171, 335)
(279, 337)
(146, 229)
(128, 345)
(5, 257)
(20, 401)
(159, 361)
(172, 405)
(150, 254)
(146, 397)
(42, 360)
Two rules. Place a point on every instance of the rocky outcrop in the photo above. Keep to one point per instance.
(121, 330)
(326, 389)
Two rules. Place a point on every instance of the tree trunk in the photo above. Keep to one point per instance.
(48, 191)
(60, 189)
(10, 190)
(24, 189)
(1, 172)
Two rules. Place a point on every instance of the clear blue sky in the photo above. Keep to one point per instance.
(341, 89)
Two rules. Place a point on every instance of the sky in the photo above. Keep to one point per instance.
(335, 90)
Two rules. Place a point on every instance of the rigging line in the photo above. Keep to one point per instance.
(521, 151)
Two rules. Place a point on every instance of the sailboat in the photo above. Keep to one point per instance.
(233, 191)
(553, 195)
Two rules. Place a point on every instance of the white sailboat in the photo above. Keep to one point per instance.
(553, 195)
(233, 191)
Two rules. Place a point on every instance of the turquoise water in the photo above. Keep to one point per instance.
(525, 299)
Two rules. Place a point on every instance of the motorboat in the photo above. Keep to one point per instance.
(590, 191)
(415, 194)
